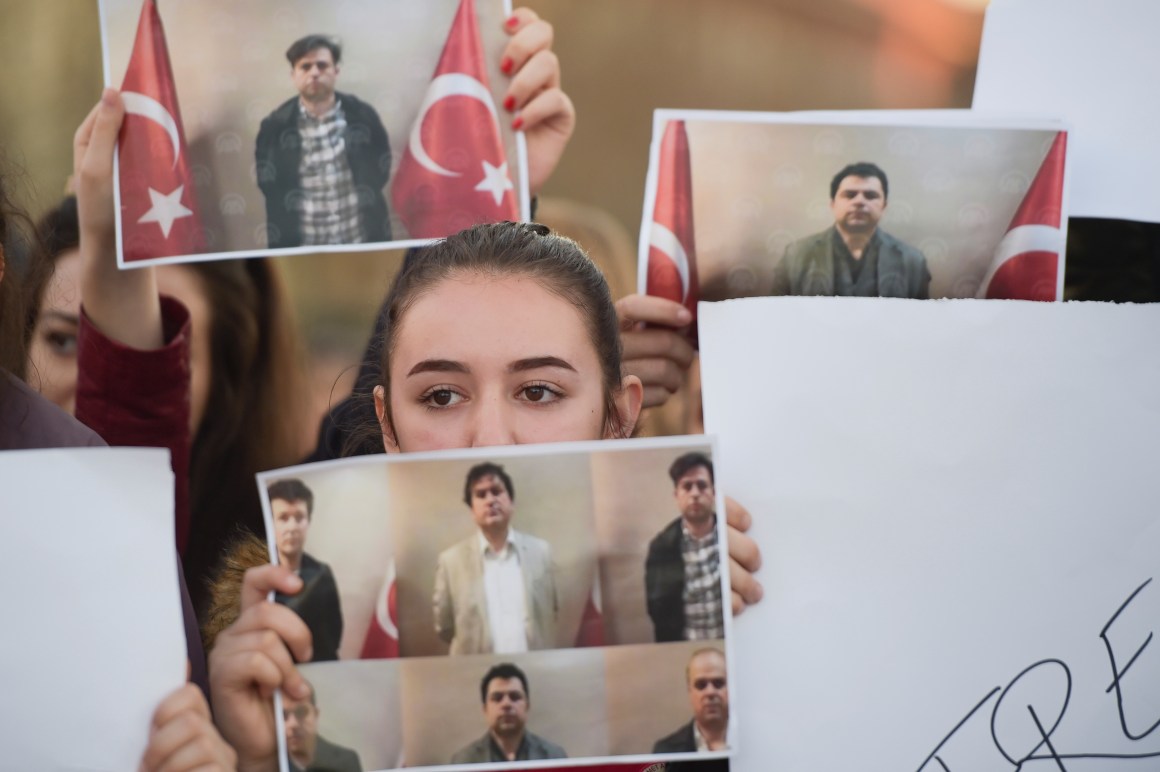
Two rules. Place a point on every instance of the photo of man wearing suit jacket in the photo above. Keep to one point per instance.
(495, 591)
(854, 257)
(709, 698)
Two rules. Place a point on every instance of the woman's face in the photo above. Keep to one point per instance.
(482, 361)
(52, 356)
(53, 353)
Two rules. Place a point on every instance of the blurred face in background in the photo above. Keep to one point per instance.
(52, 355)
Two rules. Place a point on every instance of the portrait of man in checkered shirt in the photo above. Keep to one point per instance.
(322, 158)
(682, 572)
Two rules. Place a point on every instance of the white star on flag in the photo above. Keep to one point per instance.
(495, 181)
(167, 208)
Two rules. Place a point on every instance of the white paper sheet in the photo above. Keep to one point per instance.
(1095, 65)
(945, 493)
(92, 633)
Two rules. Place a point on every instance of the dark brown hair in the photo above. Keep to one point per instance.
(302, 46)
(256, 397)
(524, 249)
(57, 232)
(860, 169)
(487, 469)
(292, 489)
(16, 231)
(687, 463)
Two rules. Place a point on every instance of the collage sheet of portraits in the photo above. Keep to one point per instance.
(570, 597)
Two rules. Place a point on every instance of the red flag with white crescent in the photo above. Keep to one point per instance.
(382, 640)
(159, 211)
(672, 259)
(454, 173)
(591, 632)
(1027, 261)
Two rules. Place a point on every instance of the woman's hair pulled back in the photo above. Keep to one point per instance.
(497, 250)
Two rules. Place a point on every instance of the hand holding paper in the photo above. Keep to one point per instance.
(124, 305)
(544, 112)
(251, 659)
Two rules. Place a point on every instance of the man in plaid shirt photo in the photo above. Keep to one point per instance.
(322, 158)
(682, 573)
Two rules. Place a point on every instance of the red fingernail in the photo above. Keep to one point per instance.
(512, 22)
(517, 123)
(509, 103)
(505, 65)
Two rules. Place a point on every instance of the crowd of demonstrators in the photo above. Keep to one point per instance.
(226, 412)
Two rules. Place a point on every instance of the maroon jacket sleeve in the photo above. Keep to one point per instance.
(141, 398)
(135, 398)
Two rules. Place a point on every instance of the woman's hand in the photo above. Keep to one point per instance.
(124, 305)
(540, 108)
(250, 659)
(182, 737)
(655, 348)
(744, 557)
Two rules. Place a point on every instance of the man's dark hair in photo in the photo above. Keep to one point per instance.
(487, 469)
(504, 670)
(684, 464)
(292, 489)
(301, 47)
(860, 169)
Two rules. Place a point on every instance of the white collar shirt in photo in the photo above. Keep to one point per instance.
(503, 584)
(702, 744)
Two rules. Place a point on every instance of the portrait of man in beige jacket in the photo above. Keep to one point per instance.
(495, 591)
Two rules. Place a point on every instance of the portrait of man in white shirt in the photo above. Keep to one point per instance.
(495, 592)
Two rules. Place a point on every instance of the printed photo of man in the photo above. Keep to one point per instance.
(309, 751)
(495, 591)
(291, 508)
(709, 699)
(682, 573)
(322, 157)
(506, 704)
(854, 257)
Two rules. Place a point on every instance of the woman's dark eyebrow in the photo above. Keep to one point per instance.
(535, 363)
(70, 318)
(439, 366)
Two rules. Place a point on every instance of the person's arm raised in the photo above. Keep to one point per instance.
(540, 108)
(123, 305)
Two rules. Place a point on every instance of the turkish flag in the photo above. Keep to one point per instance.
(591, 632)
(382, 640)
(672, 258)
(1028, 260)
(454, 173)
(159, 212)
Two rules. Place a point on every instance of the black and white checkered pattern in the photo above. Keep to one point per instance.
(328, 208)
(704, 613)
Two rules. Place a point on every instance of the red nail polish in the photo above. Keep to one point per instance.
(509, 103)
(517, 123)
(505, 65)
(512, 22)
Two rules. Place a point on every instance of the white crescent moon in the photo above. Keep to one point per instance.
(451, 84)
(667, 242)
(151, 109)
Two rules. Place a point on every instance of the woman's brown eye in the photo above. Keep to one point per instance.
(535, 393)
(442, 398)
